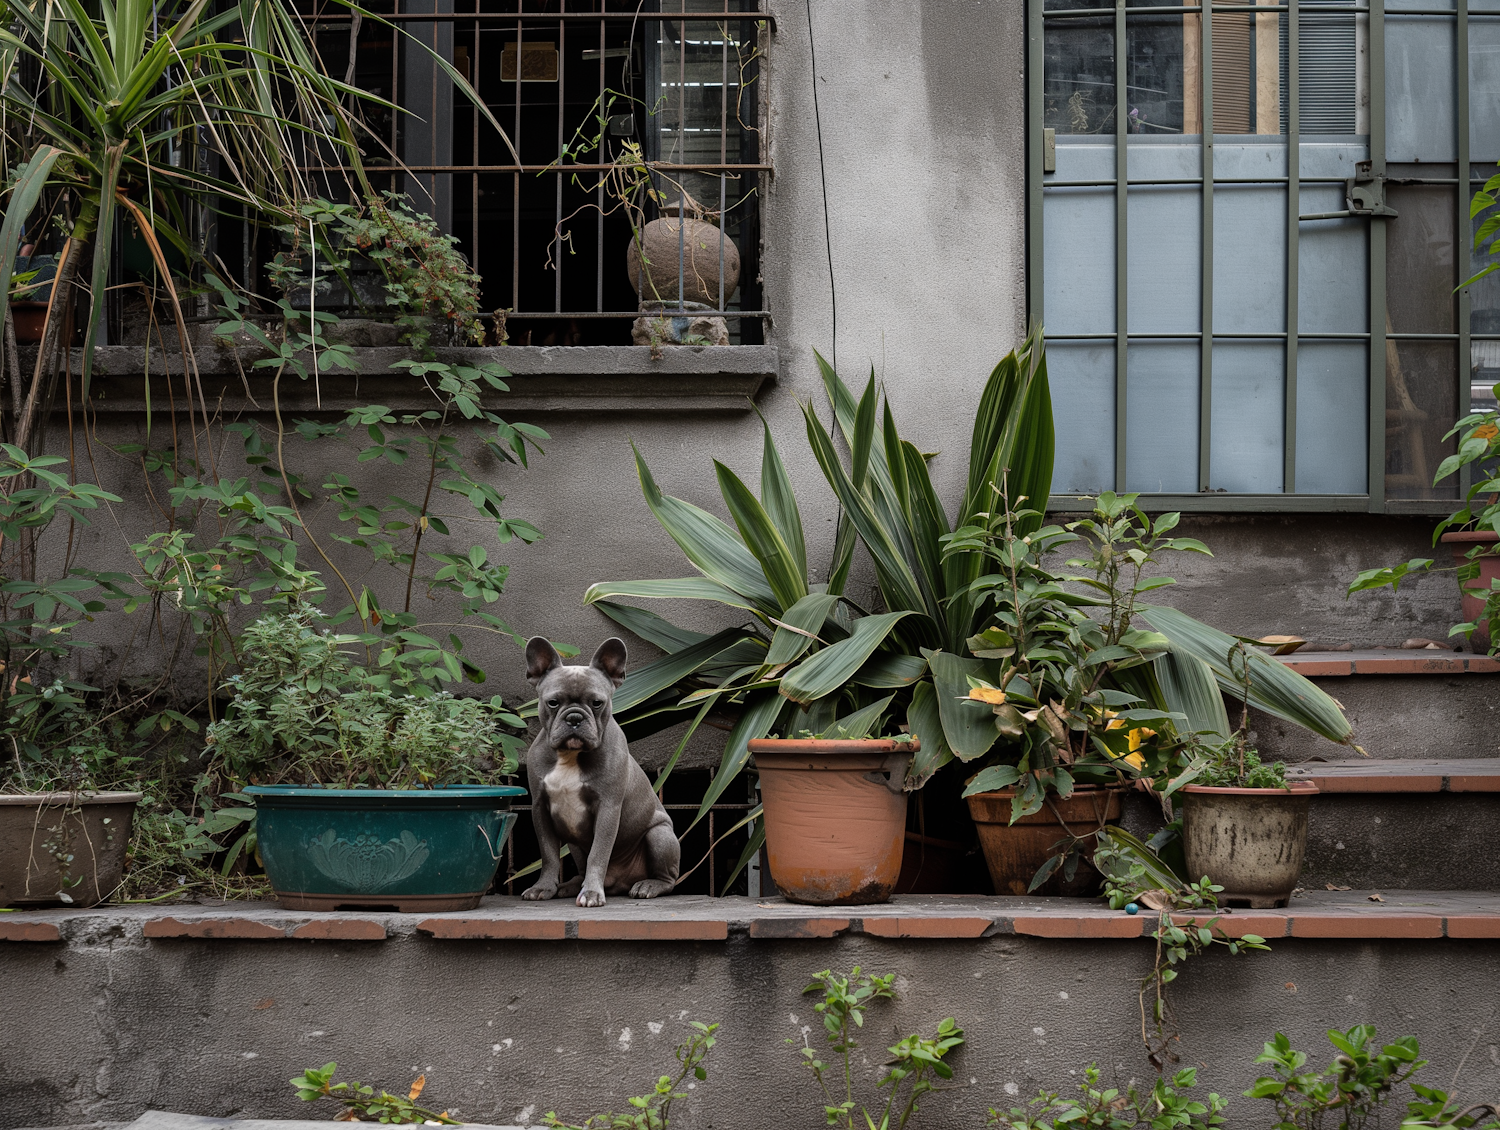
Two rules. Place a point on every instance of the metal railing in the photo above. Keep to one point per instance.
(615, 114)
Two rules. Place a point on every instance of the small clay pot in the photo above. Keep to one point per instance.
(1460, 542)
(667, 241)
(1014, 852)
(63, 847)
(1251, 842)
(835, 815)
(30, 319)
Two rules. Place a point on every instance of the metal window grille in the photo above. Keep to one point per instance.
(711, 847)
(577, 85)
(1301, 70)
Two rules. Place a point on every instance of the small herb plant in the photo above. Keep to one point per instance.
(916, 1059)
(1233, 764)
(1166, 1106)
(653, 1111)
(362, 1103)
(1350, 1092)
(304, 714)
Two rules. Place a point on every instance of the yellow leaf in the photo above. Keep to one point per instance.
(1139, 734)
(992, 695)
(416, 1088)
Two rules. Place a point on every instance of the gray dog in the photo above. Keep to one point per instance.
(586, 789)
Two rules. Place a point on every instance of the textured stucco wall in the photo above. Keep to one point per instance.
(107, 1027)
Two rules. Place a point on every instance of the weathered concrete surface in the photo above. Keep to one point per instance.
(109, 1023)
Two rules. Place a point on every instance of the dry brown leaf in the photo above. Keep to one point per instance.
(1376, 897)
(416, 1088)
(1331, 887)
(1156, 900)
(346, 1116)
(1282, 645)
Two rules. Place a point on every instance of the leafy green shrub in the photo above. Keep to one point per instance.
(1225, 767)
(1350, 1093)
(1165, 1106)
(362, 1103)
(913, 1061)
(304, 714)
(653, 1111)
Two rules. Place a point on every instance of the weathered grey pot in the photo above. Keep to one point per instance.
(63, 847)
(1251, 842)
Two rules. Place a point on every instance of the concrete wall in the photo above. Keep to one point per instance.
(107, 1026)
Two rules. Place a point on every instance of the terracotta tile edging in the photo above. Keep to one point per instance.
(219, 927)
(29, 931)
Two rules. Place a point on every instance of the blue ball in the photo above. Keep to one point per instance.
(1131, 908)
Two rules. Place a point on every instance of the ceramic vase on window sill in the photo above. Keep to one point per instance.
(679, 266)
(1488, 560)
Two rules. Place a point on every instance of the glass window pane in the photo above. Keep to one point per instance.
(1246, 453)
(1161, 413)
(1165, 269)
(1082, 376)
(1154, 73)
(1421, 404)
(1419, 88)
(1333, 418)
(1249, 260)
(1484, 89)
(1333, 268)
(1078, 84)
(1419, 257)
(1078, 231)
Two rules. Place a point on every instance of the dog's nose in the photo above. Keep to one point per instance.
(575, 717)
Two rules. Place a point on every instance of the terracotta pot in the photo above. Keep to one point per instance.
(696, 246)
(835, 816)
(1251, 842)
(30, 319)
(1014, 852)
(56, 844)
(1460, 542)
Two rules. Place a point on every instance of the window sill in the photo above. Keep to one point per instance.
(698, 918)
(1416, 775)
(692, 379)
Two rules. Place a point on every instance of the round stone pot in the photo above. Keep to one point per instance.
(64, 848)
(696, 244)
(1251, 842)
(360, 849)
(1014, 852)
(835, 815)
(1460, 542)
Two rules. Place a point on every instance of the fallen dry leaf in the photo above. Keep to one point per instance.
(1282, 645)
(416, 1088)
(1331, 887)
(1156, 900)
(1376, 897)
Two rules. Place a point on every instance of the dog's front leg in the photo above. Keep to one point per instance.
(606, 827)
(546, 839)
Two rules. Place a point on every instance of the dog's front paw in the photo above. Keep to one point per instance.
(650, 888)
(539, 892)
(591, 896)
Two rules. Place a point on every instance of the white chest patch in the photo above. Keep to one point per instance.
(564, 785)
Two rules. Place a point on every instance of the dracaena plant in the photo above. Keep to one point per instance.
(809, 659)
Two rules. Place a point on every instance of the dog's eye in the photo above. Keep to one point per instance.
(552, 703)
(598, 702)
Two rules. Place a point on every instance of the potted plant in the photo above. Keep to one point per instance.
(65, 823)
(1087, 704)
(371, 788)
(1244, 826)
(835, 812)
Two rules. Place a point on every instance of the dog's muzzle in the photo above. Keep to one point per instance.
(575, 726)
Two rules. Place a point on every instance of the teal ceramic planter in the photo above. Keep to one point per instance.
(407, 849)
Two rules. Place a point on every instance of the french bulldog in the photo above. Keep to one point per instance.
(586, 789)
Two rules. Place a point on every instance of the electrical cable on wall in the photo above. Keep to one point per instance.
(833, 298)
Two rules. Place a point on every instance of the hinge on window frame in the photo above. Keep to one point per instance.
(1049, 150)
(1365, 193)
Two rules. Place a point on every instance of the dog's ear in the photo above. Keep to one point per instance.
(610, 658)
(541, 657)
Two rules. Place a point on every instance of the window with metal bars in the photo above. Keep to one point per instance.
(1266, 319)
(620, 119)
